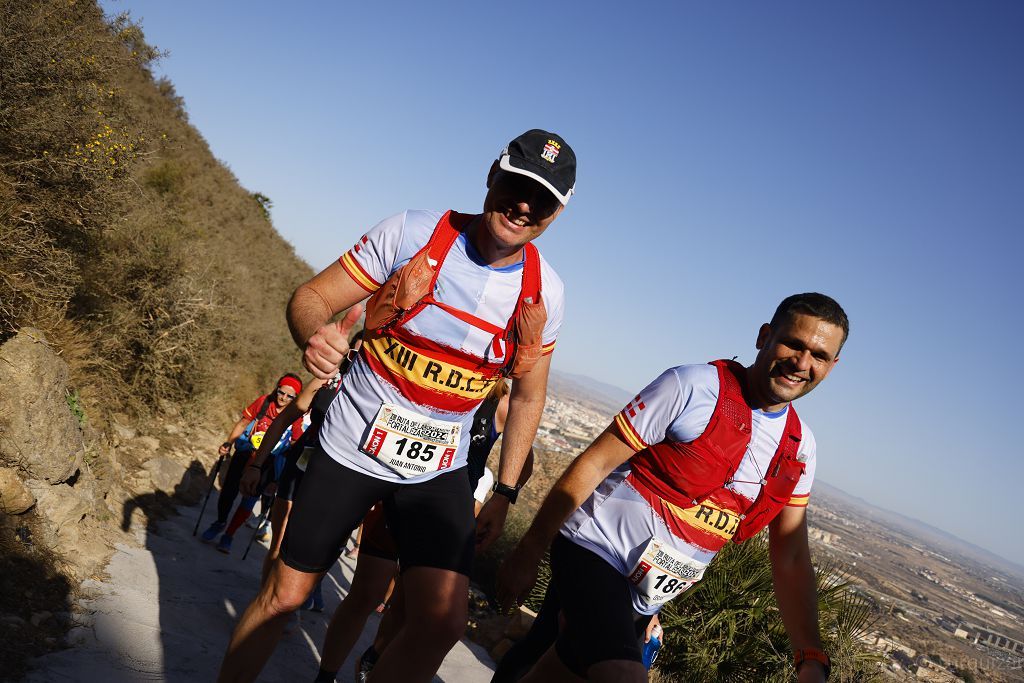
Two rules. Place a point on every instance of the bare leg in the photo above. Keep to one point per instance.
(391, 591)
(549, 669)
(258, 631)
(617, 671)
(278, 523)
(436, 606)
(354, 550)
(369, 584)
(393, 621)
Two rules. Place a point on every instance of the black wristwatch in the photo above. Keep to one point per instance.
(510, 492)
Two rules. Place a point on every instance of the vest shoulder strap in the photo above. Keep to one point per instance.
(441, 240)
(731, 405)
(529, 292)
(792, 435)
(264, 408)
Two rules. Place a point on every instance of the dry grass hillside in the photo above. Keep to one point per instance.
(125, 241)
(143, 265)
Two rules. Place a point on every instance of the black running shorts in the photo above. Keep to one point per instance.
(600, 622)
(432, 522)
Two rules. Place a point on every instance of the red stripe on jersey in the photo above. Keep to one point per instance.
(679, 528)
(358, 273)
(437, 351)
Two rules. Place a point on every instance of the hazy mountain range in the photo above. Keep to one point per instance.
(921, 530)
(607, 396)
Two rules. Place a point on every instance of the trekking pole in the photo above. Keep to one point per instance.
(213, 478)
(256, 531)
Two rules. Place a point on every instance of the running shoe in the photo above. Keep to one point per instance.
(365, 665)
(210, 535)
(225, 544)
(263, 532)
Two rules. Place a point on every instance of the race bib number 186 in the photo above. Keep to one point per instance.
(663, 573)
(410, 443)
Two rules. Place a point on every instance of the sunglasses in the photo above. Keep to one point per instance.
(285, 394)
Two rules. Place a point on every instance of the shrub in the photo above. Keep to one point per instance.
(728, 626)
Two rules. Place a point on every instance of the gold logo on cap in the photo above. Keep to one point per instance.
(550, 151)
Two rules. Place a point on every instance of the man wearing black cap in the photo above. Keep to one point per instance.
(457, 303)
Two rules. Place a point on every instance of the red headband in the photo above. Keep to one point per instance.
(290, 382)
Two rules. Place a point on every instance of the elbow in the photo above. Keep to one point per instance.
(791, 561)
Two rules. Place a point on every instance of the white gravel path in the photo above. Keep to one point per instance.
(167, 610)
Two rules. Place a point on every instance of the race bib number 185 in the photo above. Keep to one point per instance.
(410, 443)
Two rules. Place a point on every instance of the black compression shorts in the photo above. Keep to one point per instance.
(600, 622)
(432, 522)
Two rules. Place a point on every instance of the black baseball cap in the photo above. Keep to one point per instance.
(546, 158)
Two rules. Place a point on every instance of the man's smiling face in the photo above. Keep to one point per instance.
(793, 358)
(517, 209)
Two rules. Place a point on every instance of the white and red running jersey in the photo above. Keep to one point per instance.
(442, 372)
(618, 524)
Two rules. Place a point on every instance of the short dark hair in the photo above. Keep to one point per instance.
(818, 305)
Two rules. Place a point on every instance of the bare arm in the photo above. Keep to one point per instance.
(527, 471)
(519, 571)
(525, 407)
(526, 403)
(795, 584)
(500, 414)
(236, 432)
(310, 309)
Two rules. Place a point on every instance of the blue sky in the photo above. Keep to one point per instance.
(729, 154)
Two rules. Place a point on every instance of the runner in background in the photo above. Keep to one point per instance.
(314, 401)
(703, 455)
(246, 436)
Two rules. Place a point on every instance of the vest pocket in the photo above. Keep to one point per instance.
(779, 485)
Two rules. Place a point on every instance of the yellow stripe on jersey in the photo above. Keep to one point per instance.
(352, 267)
(413, 367)
(708, 518)
(628, 433)
(547, 348)
(799, 501)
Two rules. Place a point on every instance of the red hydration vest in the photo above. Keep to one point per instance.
(686, 473)
(410, 289)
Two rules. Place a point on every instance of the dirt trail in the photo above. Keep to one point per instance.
(167, 609)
